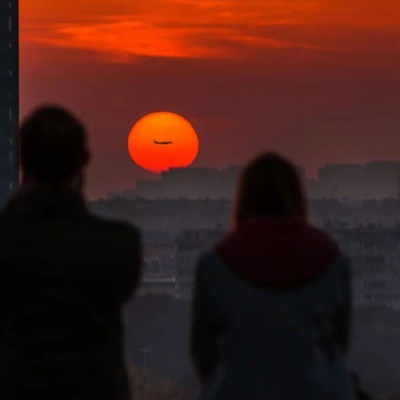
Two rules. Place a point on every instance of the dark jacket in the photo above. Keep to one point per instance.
(271, 315)
(64, 276)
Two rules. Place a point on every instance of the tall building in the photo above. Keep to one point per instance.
(9, 98)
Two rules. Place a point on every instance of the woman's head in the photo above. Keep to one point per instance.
(270, 186)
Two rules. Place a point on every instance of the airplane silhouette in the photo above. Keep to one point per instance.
(155, 142)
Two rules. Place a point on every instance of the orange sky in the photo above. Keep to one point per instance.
(316, 79)
(122, 29)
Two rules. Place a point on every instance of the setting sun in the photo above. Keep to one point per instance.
(163, 140)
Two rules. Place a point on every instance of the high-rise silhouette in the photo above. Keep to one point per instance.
(9, 109)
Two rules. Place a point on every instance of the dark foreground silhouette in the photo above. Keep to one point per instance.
(271, 314)
(65, 275)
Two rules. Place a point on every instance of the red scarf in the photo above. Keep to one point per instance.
(277, 251)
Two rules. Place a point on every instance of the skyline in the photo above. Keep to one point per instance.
(318, 81)
(370, 181)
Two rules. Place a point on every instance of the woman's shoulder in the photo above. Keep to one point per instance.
(208, 261)
(341, 264)
(211, 268)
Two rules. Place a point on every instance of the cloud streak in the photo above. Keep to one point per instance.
(121, 39)
(215, 29)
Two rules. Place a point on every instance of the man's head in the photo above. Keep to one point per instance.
(53, 147)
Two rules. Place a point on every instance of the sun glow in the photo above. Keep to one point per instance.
(163, 140)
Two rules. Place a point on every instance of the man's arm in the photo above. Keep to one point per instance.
(203, 347)
(133, 272)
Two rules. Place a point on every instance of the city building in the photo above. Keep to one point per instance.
(9, 98)
(158, 284)
(190, 183)
(374, 180)
(374, 251)
(189, 245)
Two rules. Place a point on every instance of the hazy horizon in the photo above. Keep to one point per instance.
(315, 80)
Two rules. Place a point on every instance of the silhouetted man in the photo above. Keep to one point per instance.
(64, 274)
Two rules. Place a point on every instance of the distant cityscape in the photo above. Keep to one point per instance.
(187, 210)
(375, 180)
(176, 231)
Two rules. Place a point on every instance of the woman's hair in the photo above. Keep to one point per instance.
(270, 186)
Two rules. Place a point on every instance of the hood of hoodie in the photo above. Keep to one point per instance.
(277, 251)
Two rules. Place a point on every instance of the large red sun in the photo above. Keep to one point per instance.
(163, 140)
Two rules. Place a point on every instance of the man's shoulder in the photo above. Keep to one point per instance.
(115, 227)
(122, 237)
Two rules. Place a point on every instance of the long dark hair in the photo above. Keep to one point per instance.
(270, 186)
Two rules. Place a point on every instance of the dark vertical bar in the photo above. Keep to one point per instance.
(9, 98)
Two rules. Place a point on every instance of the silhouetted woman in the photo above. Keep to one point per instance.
(271, 309)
